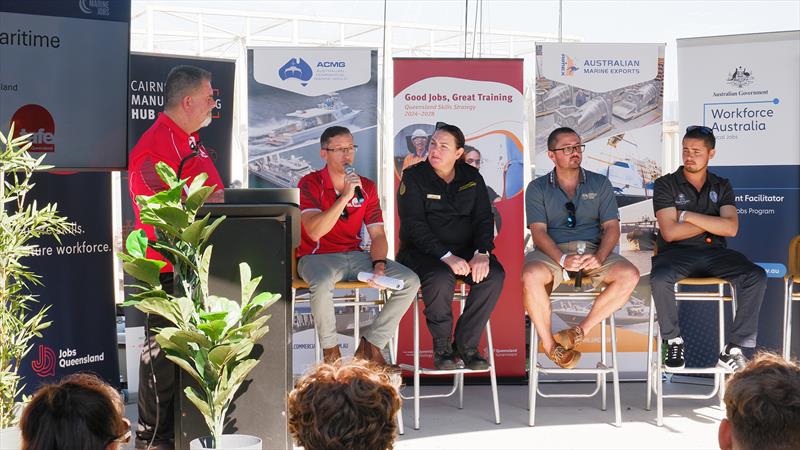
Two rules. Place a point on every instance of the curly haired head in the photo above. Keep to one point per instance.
(763, 405)
(344, 406)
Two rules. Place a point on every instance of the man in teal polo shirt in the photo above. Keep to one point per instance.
(574, 222)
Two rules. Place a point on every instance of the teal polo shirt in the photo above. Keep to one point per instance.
(595, 203)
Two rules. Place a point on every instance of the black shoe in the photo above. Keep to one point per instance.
(673, 355)
(473, 359)
(732, 359)
(444, 358)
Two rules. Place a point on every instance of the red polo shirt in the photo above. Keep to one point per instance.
(165, 141)
(317, 194)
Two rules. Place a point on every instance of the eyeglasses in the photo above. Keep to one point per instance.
(701, 128)
(126, 437)
(571, 221)
(340, 150)
(570, 149)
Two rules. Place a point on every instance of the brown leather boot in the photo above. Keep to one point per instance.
(331, 355)
(369, 352)
(563, 357)
(569, 338)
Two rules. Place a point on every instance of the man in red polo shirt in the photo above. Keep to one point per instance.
(173, 139)
(335, 206)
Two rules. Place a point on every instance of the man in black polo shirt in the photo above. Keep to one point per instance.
(696, 212)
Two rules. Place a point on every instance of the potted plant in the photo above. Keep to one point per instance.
(21, 222)
(212, 337)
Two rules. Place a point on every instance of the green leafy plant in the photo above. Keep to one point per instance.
(212, 337)
(21, 222)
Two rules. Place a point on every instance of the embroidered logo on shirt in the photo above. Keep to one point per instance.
(588, 195)
(402, 189)
(466, 186)
(681, 200)
(713, 196)
(434, 196)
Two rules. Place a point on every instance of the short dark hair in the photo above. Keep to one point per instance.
(701, 132)
(469, 148)
(553, 137)
(454, 131)
(81, 411)
(762, 402)
(180, 81)
(332, 132)
(344, 407)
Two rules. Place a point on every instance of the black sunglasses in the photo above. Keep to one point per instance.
(701, 128)
(571, 221)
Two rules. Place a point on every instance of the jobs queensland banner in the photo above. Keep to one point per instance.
(753, 106)
(612, 96)
(294, 94)
(483, 97)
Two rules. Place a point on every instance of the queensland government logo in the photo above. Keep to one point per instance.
(296, 68)
(568, 67)
(45, 365)
(99, 7)
(740, 77)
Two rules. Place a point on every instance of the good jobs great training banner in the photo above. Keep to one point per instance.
(612, 96)
(747, 89)
(485, 99)
(293, 95)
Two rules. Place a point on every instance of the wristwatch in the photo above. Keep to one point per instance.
(484, 252)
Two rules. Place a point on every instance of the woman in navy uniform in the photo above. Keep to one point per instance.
(447, 232)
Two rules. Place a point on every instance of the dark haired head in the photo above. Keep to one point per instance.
(553, 137)
(762, 402)
(181, 81)
(79, 412)
(703, 133)
(344, 407)
(454, 131)
(330, 133)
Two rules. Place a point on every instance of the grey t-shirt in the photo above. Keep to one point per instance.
(595, 203)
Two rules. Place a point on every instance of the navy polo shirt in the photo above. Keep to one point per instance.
(674, 191)
(545, 202)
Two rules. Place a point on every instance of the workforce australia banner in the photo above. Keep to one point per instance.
(148, 74)
(78, 279)
(484, 98)
(753, 106)
(612, 96)
(294, 94)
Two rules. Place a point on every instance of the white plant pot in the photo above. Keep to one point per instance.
(228, 442)
(10, 438)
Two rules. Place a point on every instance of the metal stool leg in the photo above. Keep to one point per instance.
(650, 325)
(533, 381)
(615, 373)
(416, 364)
(492, 373)
(787, 320)
(602, 376)
(659, 388)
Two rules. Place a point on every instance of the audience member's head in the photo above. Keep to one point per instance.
(79, 412)
(763, 406)
(344, 406)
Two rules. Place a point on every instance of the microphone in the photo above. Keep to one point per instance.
(579, 276)
(348, 169)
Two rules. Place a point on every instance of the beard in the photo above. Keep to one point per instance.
(206, 121)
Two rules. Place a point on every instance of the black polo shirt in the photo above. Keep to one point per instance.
(674, 191)
(438, 217)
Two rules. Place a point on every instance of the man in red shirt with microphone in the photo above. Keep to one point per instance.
(173, 139)
(335, 206)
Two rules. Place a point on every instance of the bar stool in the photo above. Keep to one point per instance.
(601, 370)
(353, 300)
(458, 374)
(791, 279)
(655, 368)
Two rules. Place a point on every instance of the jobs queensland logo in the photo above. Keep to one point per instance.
(45, 364)
(740, 77)
(296, 68)
(568, 67)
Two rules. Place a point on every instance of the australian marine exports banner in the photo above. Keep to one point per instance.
(294, 94)
(78, 279)
(612, 95)
(484, 98)
(753, 106)
(148, 74)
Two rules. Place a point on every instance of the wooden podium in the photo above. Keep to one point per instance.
(261, 228)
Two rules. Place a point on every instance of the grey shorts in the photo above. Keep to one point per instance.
(595, 276)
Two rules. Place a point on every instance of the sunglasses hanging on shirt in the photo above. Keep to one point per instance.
(571, 221)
